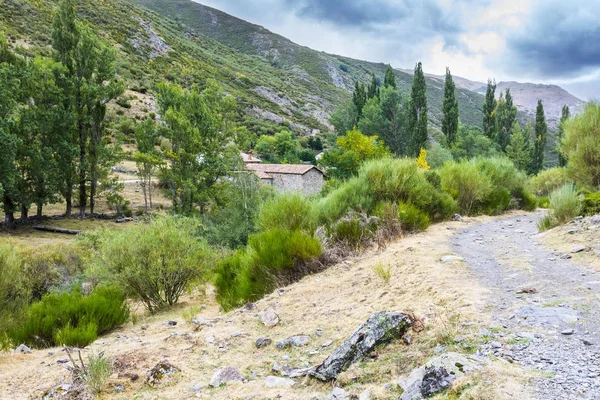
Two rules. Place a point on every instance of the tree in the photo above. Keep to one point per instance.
(373, 89)
(450, 109)
(566, 114)
(489, 109)
(345, 118)
(352, 150)
(506, 115)
(471, 143)
(418, 112)
(389, 79)
(519, 149)
(281, 148)
(359, 98)
(581, 146)
(146, 157)
(541, 133)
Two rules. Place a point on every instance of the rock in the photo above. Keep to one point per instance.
(196, 388)
(407, 339)
(566, 257)
(496, 345)
(294, 341)
(366, 395)
(250, 306)
(23, 349)
(277, 382)
(436, 375)
(339, 394)
(457, 217)
(451, 259)
(327, 344)
(528, 291)
(170, 323)
(595, 219)
(62, 361)
(319, 332)
(157, 373)
(380, 328)
(269, 318)
(587, 342)
(263, 342)
(144, 327)
(577, 249)
(567, 332)
(209, 339)
(224, 375)
(549, 315)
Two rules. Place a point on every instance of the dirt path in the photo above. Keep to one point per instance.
(556, 327)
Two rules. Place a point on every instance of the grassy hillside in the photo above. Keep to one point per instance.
(302, 62)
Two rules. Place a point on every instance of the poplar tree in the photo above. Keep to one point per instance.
(541, 132)
(489, 108)
(373, 89)
(390, 79)
(359, 98)
(566, 114)
(418, 112)
(450, 109)
(519, 149)
(506, 114)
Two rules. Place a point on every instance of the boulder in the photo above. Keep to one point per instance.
(339, 394)
(437, 375)
(294, 341)
(23, 349)
(269, 318)
(577, 249)
(263, 342)
(161, 370)
(380, 328)
(277, 382)
(224, 375)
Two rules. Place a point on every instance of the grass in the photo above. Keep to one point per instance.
(384, 271)
(95, 375)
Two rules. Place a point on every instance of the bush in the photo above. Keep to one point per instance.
(353, 195)
(581, 146)
(564, 206)
(288, 211)
(279, 250)
(590, 205)
(411, 218)
(71, 319)
(96, 373)
(464, 183)
(389, 224)
(354, 231)
(155, 261)
(550, 179)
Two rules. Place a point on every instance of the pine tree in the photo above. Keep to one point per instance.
(390, 79)
(359, 98)
(489, 108)
(519, 149)
(373, 89)
(541, 132)
(566, 114)
(450, 109)
(418, 112)
(506, 114)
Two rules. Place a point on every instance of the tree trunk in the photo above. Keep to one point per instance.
(39, 213)
(145, 195)
(82, 191)
(150, 190)
(9, 216)
(93, 195)
(24, 213)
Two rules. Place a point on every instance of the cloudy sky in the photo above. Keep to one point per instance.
(546, 41)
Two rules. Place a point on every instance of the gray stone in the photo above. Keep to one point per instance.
(451, 259)
(269, 318)
(567, 332)
(496, 345)
(23, 349)
(224, 375)
(549, 315)
(161, 370)
(195, 388)
(380, 328)
(566, 257)
(144, 327)
(171, 323)
(366, 395)
(339, 394)
(457, 217)
(587, 342)
(595, 219)
(277, 382)
(437, 373)
(577, 249)
(294, 341)
(263, 342)
(327, 344)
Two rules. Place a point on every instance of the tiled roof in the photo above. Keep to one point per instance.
(292, 169)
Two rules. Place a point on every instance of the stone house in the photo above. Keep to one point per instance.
(304, 178)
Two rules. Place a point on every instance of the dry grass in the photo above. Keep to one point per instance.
(335, 301)
(384, 271)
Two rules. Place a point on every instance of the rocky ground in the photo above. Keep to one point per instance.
(508, 313)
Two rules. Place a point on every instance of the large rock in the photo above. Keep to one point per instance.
(380, 328)
(436, 375)
(225, 375)
(269, 318)
(23, 349)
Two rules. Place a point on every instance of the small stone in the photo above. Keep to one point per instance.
(339, 394)
(144, 327)
(170, 323)
(62, 361)
(566, 257)
(327, 344)
(277, 382)
(294, 341)
(263, 342)
(366, 395)
(587, 342)
(577, 249)
(23, 349)
(451, 259)
(319, 332)
(595, 219)
(224, 375)
(496, 345)
(407, 339)
(196, 388)
(457, 217)
(249, 306)
(209, 339)
(269, 318)
(567, 332)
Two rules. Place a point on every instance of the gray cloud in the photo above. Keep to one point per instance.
(560, 39)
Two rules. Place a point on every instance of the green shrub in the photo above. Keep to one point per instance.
(550, 179)
(280, 250)
(384, 271)
(96, 373)
(389, 224)
(288, 211)
(354, 231)
(564, 206)
(233, 280)
(581, 146)
(544, 202)
(591, 203)
(465, 184)
(353, 195)
(155, 261)
(71, 318)
(411, 218)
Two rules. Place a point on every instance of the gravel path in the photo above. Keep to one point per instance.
(546, 306)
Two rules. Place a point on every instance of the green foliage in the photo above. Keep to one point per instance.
(581, 146)
(590, 204)
(390, 78)
(383, 271)
(280, 250)
(540, 139)
(519, 149)
(359, 98)
(565, 115)
(352, 150)
(287, 211)
(489, 108)
(450, 109)
(70, 318)
(353, 231)
(463, 181)
(281, 148)
(549, 180)
(438, 155)
(418, 112)
(564, 206)
(472, 143)
(412, 218)
(156, 261)
(352, 195)
(506, 115)
(96, 372)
